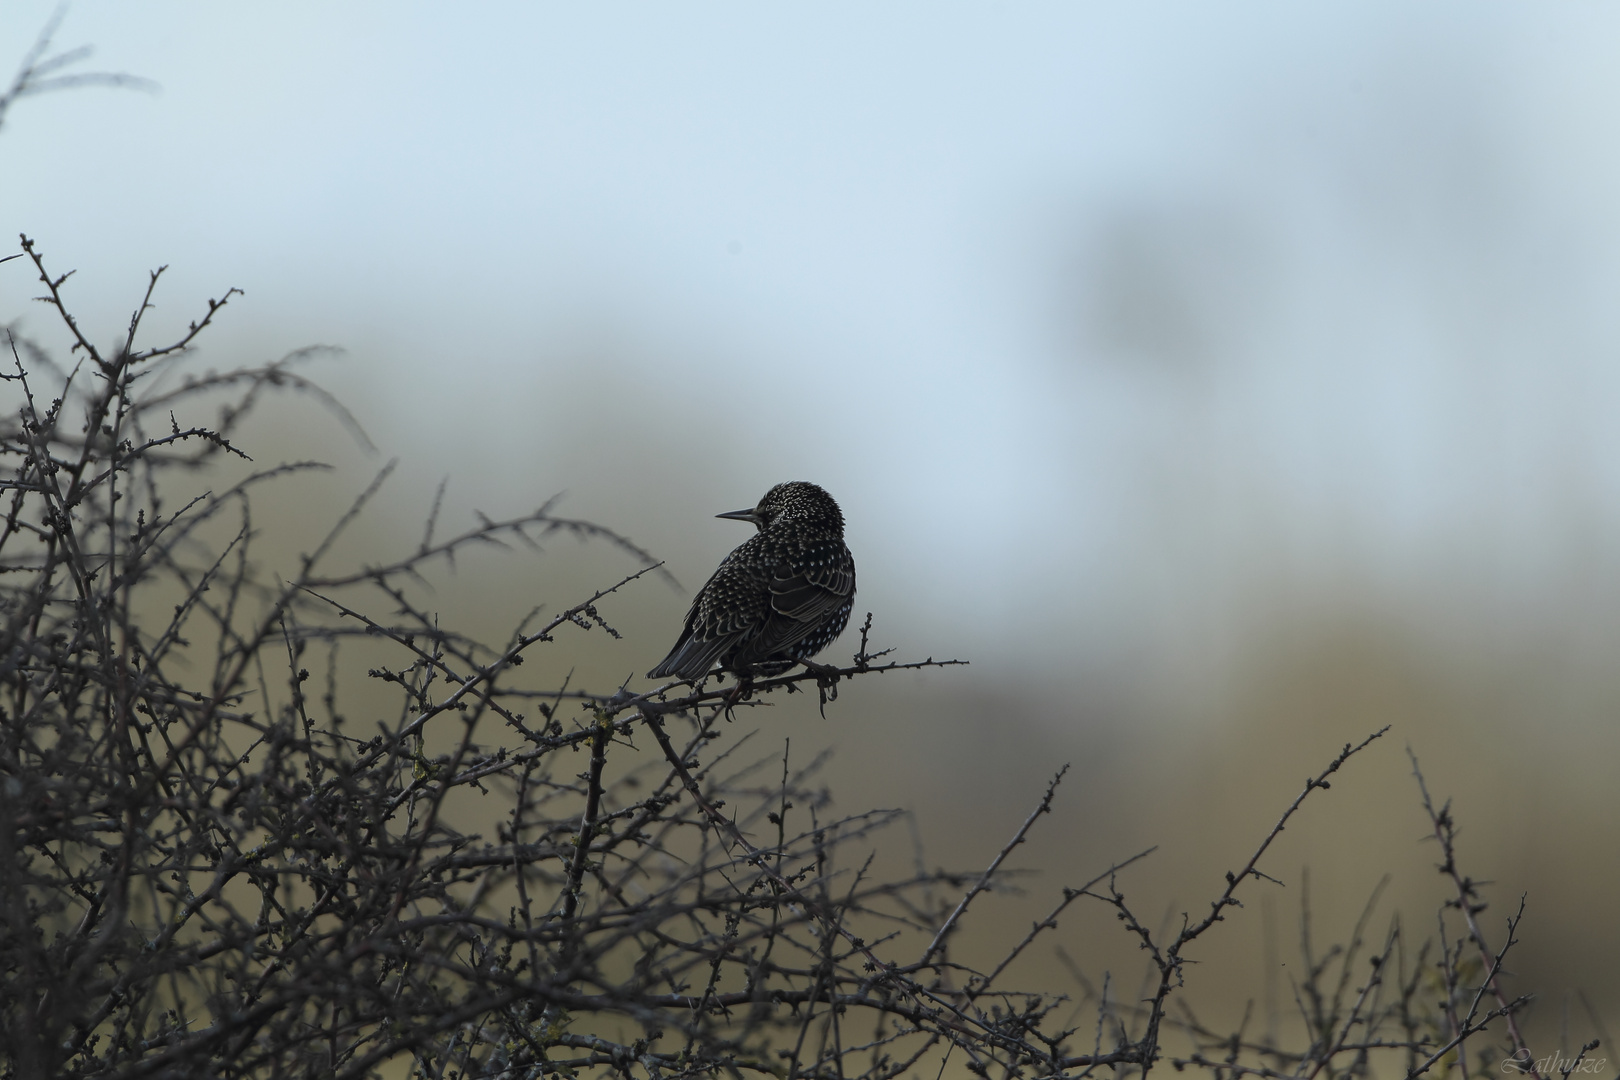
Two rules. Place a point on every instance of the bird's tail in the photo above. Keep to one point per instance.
(691, 658)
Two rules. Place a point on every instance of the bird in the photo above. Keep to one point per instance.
(780, 597)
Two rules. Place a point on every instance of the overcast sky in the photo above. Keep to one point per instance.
(1103, 319)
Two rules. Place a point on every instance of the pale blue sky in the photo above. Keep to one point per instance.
(1122, 319)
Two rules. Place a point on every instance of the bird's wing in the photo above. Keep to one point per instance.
(803, 596)
(713, 624)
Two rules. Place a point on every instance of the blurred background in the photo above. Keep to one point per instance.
(1225, 382)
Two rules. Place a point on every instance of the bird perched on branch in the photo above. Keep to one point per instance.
(782, 596)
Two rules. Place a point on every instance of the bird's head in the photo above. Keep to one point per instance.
(796, 500)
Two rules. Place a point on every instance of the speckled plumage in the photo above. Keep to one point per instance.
(782, 596)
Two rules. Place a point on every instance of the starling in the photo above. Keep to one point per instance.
(780, 597)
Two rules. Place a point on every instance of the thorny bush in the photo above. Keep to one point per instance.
(206, 872)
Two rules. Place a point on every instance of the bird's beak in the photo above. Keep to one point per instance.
(739, 515)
